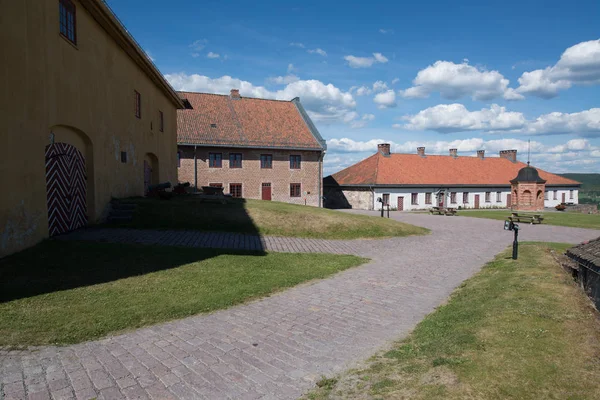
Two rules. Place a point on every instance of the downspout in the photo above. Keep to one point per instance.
(321, 157)
(195, 170)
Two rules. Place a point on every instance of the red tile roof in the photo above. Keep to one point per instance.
(412, 169)
(221, 120)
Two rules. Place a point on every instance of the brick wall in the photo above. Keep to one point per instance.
(530, 196)
(252, 176)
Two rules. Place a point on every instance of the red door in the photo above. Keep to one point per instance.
(508, 201)
(441, 200)
(476, 201)
(400, 203)
(266, 191)
(564, 198)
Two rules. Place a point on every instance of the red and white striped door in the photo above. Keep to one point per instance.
(65, 188)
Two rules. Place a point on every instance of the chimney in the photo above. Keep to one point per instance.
(235, 93)
(480, 154)
(509, 155)
(454, 153)
(384, 149)
(421, 151)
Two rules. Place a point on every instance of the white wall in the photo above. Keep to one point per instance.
(551, 202)
(407, 194)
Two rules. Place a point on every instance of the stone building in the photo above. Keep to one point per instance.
(86, 116)
(253, 148)
(420, 181)
(528, 190)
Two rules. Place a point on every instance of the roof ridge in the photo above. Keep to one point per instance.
(241, 97)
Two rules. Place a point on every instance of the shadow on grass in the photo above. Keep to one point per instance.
(189, 212)
(56, 265)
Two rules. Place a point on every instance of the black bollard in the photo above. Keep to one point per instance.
(515, 253)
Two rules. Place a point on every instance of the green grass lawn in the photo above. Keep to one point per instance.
(67, 292)
(575, 220)
(263, 217)
(516, 330)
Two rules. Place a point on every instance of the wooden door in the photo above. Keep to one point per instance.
(441, 200)
(65, 188)
(508, 201)
(266, 191)
(147, 176)
(400, 203)
(476, 201)
(564, 198)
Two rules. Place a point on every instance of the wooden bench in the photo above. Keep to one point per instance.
(442, 211)
(529, 218)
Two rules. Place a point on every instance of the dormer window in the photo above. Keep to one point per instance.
(66, 11)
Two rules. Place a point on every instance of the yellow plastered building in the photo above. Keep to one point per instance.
(86, 117)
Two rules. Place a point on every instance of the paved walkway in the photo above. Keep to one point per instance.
(277, 347)
(216, 240)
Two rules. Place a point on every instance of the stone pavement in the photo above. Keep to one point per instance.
(215, 240)
(277, 347)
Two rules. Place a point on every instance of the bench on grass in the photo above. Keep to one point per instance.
(442, 211)
(529, 218)
(212, 194)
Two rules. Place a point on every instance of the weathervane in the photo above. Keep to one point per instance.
(528, 150)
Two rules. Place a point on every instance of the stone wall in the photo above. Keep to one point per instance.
(583, 208)
(356, 198)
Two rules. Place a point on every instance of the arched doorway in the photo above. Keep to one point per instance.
(151, 176)
(66, 188)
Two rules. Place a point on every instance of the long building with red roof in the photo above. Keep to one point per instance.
(420, 181)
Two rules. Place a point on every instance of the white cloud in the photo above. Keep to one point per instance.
(213, 55)
(323, 102)
(291, 68)
(296, 44)
(455, 117)
(386, 31)
(199, 45)
(578, 65)
(573, 144)
(362, 122)
(395, 80)
(365, 62)
(446, 118)
(385, 99)
(379, 86)
(318, 51)
(361, 91)
(584, 123)
(283, 80)
(454, 81)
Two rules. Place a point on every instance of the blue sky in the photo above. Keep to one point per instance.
(469, 74)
